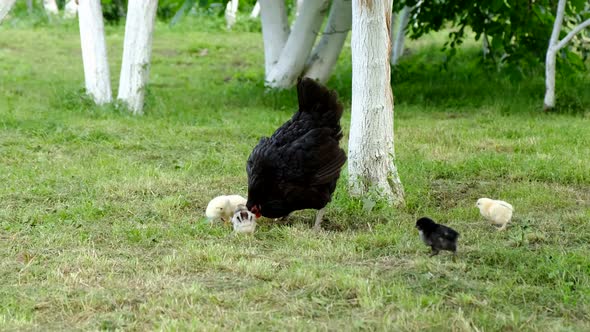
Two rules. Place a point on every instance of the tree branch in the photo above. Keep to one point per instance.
(572, 33)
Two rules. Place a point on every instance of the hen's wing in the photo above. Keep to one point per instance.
(313, 159)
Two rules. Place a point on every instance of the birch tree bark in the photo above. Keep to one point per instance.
(50, 7)
(137, 50)
(323, 58)
(554, 46)
(94, 51)
(275, 31)
(371, 145)
(5, 6)
(299, 44)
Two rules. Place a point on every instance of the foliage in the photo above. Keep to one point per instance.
(101, 214)
(114, 10)
(518, 30)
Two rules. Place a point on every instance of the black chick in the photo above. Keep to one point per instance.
(438, 237)
(298, 166)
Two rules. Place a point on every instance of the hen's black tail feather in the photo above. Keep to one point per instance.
(320, 101)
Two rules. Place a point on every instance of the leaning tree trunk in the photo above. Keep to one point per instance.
(371, 149)
(5, 6)
(275, 31)
(400, 36)
(554, 46)
(324, 57)
(256, 10)
(94, 51)
(137, 50)
(299, 44)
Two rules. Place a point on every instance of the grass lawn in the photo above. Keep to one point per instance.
(102, 213)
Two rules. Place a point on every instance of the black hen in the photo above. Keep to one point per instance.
(438, 237)
(298, 166)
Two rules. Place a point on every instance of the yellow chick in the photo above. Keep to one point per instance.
(498, 212)
(223, 207)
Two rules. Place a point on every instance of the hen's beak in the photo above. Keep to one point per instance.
(256, 210)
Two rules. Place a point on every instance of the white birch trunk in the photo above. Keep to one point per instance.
(301, 39)
(554, 46)
(275, 31)
(71, 9)
(50, 7)
(298, 6)
(400, 36)
(5, 6)
(322, 60)
(94, 51)
(256, 10)
(231, 12)
(371, 147)
(137, 51)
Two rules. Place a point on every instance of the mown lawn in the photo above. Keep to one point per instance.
(101, 213)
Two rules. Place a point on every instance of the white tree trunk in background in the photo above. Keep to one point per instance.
(94, 51)
(231, 12)
(5, 6)
(324, 57)
(485, 45)
(299, 44)
(400, 37)
(50, 7)
(371, 149)
(137, 51)
(256, 10)
(554, 46)
(275, 31)
(71, 9)
(298, 5)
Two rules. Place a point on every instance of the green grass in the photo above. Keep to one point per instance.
(101, 213)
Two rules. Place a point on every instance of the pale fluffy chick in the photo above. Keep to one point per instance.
(244, 221)
(498, 212)
(223, 207)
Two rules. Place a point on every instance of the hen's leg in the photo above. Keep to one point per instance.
(318, 219)
(434, 252)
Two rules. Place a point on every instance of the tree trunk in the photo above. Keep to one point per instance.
(5, 6)
(371, 146)
(298, 5)
(275, 31)
(231, 12)
(322, 60)
(400, 36)
(256, 10)
(30, 6)
(485, 45)
(94, 51)
(137, 50)
(299, 44)
(71, 9)
(554, 46)
(50, 7)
